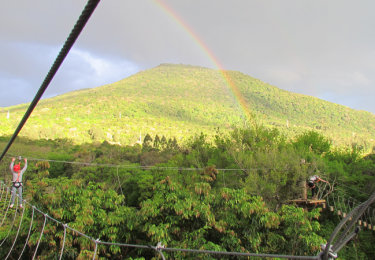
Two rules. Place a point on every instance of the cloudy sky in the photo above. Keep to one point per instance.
(322, 48)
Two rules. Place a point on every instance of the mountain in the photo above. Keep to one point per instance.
(179, 101)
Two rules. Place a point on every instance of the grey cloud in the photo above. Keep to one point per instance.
(321, 48)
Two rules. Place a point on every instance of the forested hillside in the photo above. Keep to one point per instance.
(230, 193)
(179, 101)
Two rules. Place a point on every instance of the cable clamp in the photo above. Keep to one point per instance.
(159, 246)
(331, 254)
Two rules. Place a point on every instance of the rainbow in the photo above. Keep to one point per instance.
(229, 81)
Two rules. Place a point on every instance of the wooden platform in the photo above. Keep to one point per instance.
(308, 202)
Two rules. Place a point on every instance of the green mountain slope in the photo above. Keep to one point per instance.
(178, 101)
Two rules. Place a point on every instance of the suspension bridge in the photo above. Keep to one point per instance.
(353, 213)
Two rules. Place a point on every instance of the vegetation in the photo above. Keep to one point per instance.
(190, 200)
(169, 155)
(180, 101)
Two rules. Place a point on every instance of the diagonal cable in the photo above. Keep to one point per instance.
(355, 214)
(78, 27)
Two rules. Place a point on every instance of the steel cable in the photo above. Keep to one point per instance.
(2, 190)
(11, 226)
(63, 244)
(41, 234)
(78, 27)
(18, 231)
(6, 197)
(358, 211)
(28, 235)
(6, 212)
(96, 248)
(119, 183)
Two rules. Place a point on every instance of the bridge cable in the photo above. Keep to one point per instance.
(78, 27)
(28, 235)
(2, 190)
(144, 167)
(6, 197)
(11, 226)
(355, 214)
(96, 248)
(119, 183)
(19, 227)
(6, 212)
(158, 248)
(41, 234)
(63, 244)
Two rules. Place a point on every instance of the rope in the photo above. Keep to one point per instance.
(62, 248)
(320, 191)
(96, 248)
(343, 206)
(78, 27)
(41, 234)
(144, 167)
(367, 216)
(334, 201)
(28, 235)
(19, 227)
(2, 190)
(6, 197)
(119, 183)
(339, 246)
(6, 212)
(158, 248)
(11, 226)
(358, 211)
(210, 252)
(349, 207)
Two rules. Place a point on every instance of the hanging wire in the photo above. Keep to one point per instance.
(224, 179)
(18, 231)
(344, 208)
(119, 183)
(11, 226)
(28, 235)
(96, 247)
(368, 218)
(41, 234)
(334, 201)
(62, 248)
(158, 248)
(144, 167)
(329, 205)
(2, 189)
(6, 212)
(348, 204)
(6, 197)
(321, 190)
(97, 242)
(356, 214)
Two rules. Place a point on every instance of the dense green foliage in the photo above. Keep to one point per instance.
(227, 193)
(178, 101)
(222, 181)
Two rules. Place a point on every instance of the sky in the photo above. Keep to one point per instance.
(319, 48)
